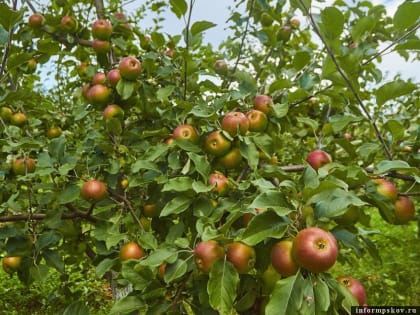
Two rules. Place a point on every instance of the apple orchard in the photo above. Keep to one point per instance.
(204, 180)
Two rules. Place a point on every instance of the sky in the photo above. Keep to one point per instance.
(217, 12)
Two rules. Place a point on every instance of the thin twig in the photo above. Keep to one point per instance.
(348, 82)
(99, 5)
(187, 47)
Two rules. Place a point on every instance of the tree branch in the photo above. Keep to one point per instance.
(99, 5)
(41, 216)
(187, 47)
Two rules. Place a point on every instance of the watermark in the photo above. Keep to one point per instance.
(362, 310)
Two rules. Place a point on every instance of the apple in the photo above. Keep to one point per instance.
(350, 217)
(353, 45)
(263, 103)
(36, 20)
(85, 91)
(31, 65)
(266, 19)
(151, 210)
(318, 158)
(221, 67)
(54, 132)
(113, 77)
(217, 144)
(99, 78)
(68, 24)
(235, 123)
(6, 113)
(162, 270)
(347, 136)
(315, 249)
(294, 22)
(257, 120)
(18, 119)
(102, 29)
(168, 140)
(284, 33)
(386, 188)
(94, 190)
(11, 264)
(230, 160)
(101, 46)
(404, 210)
(185, 132)
(355, 287)
(23, 166)
(130, 68)
(131, 250)
(221, 181)
(206, 253)
(113, 111)
(269, 279)
(170, 52)
(124, 183)
(241, 256)
(282, 258)
(99, 94)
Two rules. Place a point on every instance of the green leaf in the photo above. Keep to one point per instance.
(175, 271)
(179, 7)
(144, 165)
(287, 296)
(76, 308)
(310, 178)
(332, 22)
(50, 238)
(125, 88)
(221, 287)
(321, 296)
(280, 110)
(392, 90)
(53, 259)
(9, 17)
(105, 265)
(70, 194)
(127, 305)
(157, 257)
(202, 165)
(201, 26)
(302, 5)
(175, 206)
(395, 165)
(301, 59)
(163, 93)
(200, 187)
(340, 122)
(250, 152)
(270, 199)
(4, 36)
(406, 15)
(179, 184)
(362, 26)
(265, 225)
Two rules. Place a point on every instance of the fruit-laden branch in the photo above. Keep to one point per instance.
(347, 80)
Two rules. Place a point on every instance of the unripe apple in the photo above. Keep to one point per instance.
(113, 77)
(235, 123)
(151, 210)
(282, 258)
(294, 22)
(102, 29)
(355, 287)
(350, 217)
(266, 19)
(94, 190)
(315, 249)
(241, 256)
(257, 120)
(222, 183)
(36, 20)
(11, 264)
(99, 94)
(221, 67)
(263, 103)
(131, 250)
(318, 159)
(54, 132)
(130, 68)
(68, 24)
(284, 33)
(217, 144)
(18, 119)
(99, 78)
(124, 183)
(206, 253)
(23, 166)
(113, 111)
(231, 160)
(386, 188)
(185, 132)
(31, 65)
(6, 113)
(101, 46)
(404, 210)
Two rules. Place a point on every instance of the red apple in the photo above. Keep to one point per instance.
(282, 258)
(235, 123)
(113, 111)
(54, 132)
(68, 24)
(170, 52)
(315, 250)
(18, 119)
(130, 68)
(114, 76)
(206, 253)
(230, 160)
(11, 264)
(101, 46)
(222, 183)
(94, 190)
(241, 256)
(23, 166)
(318, 159)
(36, 20)
(386, 188)
(404, 210)
(355, 287)
(217, 144)
(257, 120)
(186, 132)
(99, 94)
(102, 29)
(263, 103)
(99, 78)
(131, 250)
(221, 67)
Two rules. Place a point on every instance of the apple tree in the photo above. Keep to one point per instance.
(203, 180)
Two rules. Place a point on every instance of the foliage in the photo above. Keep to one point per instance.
(328, 93)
